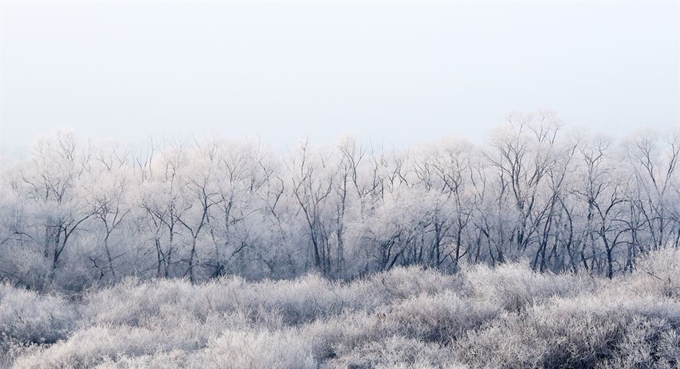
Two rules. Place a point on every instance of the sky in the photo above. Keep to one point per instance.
(402, 72)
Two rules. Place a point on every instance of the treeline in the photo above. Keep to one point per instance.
(77, 213)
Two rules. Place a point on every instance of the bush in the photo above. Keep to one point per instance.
(506, 317)
(441, 318)
(397, 352)
(27, 317)
(658, 273)
(572, 333)
(93, 346)
(515, 287)
(254, 350)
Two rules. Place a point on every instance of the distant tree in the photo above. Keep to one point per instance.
(106, 190)
(524, 155)
(654, 167)
(163, 197)
(51, 183)
(313, 176)
(446, 170)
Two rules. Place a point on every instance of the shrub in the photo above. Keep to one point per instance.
(440, 318)
(254, 350)
(506, 317)
(514, 287)
(27, 317)
(657, 273)
(397, 352)
(571, 333)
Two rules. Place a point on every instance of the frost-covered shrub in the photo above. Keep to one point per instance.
(647, 343)
(175, 359)
(401, 283)
(657, 273)
(440, 318)
(573, 333)
(90, 347)
(339, 335)
(11, 350)
(514, 286)
(397, 352)
(131, 302)
(233, 349)
(271, 303)
(254, 350)
(265, 303)
(30, 318)
(28, 268)
(300, 301)
(506, 317)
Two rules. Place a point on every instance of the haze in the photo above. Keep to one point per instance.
(403, 73)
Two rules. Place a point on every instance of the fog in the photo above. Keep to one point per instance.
(282, 70)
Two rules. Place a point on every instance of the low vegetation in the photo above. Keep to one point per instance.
(508, 316)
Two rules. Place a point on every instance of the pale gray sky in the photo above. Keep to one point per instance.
(284, 70)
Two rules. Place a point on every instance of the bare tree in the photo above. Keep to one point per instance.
(654, 167)
(525, 153)
(107, 197)
(52, 183)
(313, 177)
(163, 199)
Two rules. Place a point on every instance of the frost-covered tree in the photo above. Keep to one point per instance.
(51, 184)
(654, 164)
(76, 213)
